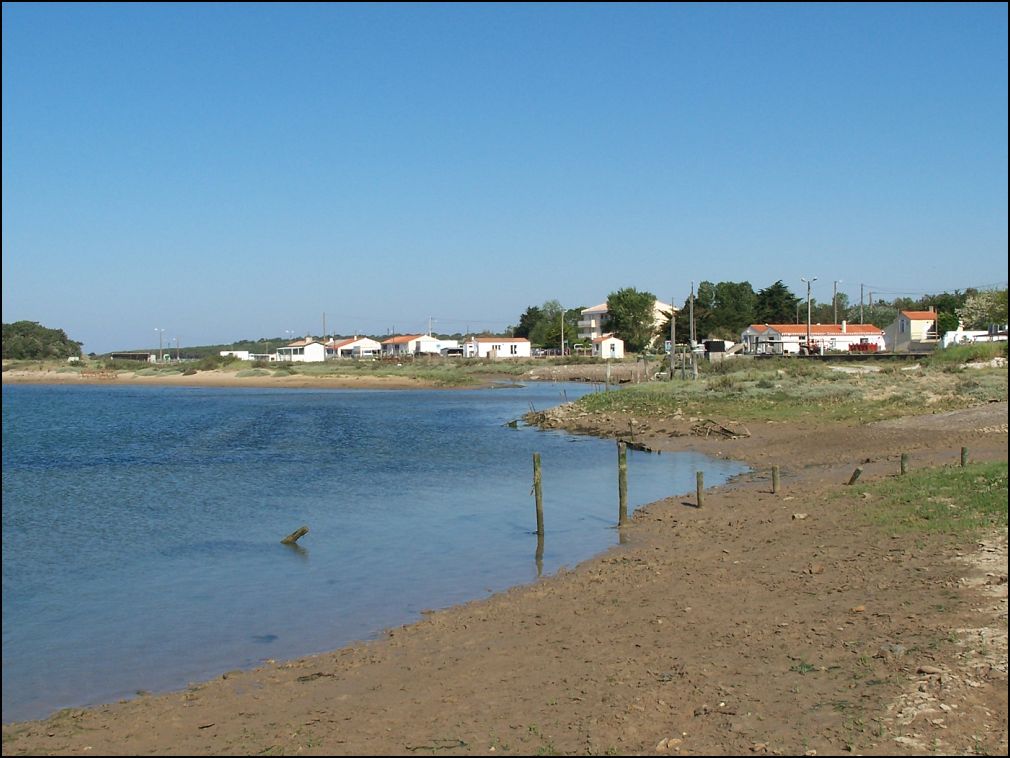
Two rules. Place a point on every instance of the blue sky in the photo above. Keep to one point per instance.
(227, 171)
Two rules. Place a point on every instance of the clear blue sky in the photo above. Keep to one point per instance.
(234, 171)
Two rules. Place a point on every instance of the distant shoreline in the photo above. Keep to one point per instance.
(217, 378)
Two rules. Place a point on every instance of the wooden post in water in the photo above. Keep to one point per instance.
(904, 463)
(296, 535)
(775, 480)
(964, 457)
(622, 483)
(855, 475)
(539, 495)
(700, 477)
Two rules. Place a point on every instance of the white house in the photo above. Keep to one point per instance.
(497, 347)
(962, 336)
(307, 350)
(242, 355)
(353, 347)
(594, 319)
(787, 339)
(608, 346)
(912, 330)
(405, 344)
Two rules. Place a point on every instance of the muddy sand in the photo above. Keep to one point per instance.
(759, 624)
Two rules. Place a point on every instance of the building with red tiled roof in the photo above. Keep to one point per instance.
(912, 331)
(791, 339)
(353, 347)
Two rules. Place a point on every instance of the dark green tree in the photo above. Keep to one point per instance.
(527, 321)
(775, 304)
(630, 316)
(30, 340)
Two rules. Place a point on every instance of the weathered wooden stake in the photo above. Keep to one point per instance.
(622, 483)
(964, 457)
(296, 535)
(539, 555)
(904, 463)
(855, 475)
(539, 495)
(775, 480)
(700, 476)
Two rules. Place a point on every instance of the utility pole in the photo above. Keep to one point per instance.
(860, 303)
(834, 299)
(562, 330)
(324, 326)
(673, 334)
(691, 314)
(161, 352)
(808, 283)
(177, 349)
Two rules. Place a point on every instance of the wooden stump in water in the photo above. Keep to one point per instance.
(296, 535)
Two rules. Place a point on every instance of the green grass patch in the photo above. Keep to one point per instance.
(808, 391)
(950, 500)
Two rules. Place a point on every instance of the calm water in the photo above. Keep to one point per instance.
(141, 525)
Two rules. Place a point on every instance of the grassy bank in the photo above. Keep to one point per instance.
(950, 500)
(810, 391)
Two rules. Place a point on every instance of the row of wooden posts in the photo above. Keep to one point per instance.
(622, 491)
(622, 484)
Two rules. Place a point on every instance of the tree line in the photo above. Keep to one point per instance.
(722, 310)
(29, 340)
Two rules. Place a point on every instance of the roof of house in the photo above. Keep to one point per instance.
(919, 315)
(303, 342)
(601, 308)
(825, 329)
(500, 339)
(403, 338)
(604, 337)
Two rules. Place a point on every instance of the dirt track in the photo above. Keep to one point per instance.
(759, 624)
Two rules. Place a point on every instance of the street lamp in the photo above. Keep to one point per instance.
(161, 334)
(808, 283)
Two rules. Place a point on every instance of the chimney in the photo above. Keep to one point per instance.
(843, 326)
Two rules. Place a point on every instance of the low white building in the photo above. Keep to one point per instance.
(353, 347)
(306, 350)
(912, 331)
(962, 336)
(417, 344)
(789, 339)
(497, 347)
(242, 355)
(608, 346)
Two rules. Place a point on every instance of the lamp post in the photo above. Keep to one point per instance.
(161, 334)
(808, 283)
(834, 299)
(562, 331)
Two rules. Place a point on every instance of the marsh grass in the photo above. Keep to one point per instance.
(806, 391)
(949, 500)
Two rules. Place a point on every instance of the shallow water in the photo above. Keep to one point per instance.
(142, 525)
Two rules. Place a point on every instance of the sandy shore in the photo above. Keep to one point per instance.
(214, 378)
(761, 623)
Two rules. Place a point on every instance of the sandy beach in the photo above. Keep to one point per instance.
(759, 624)
(215, 378)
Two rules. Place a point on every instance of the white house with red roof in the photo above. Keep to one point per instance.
(353, 347)
(788, 339)
(306, 350)
(497, 347)
(417, 344)
(608, 346)
(912, 331)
